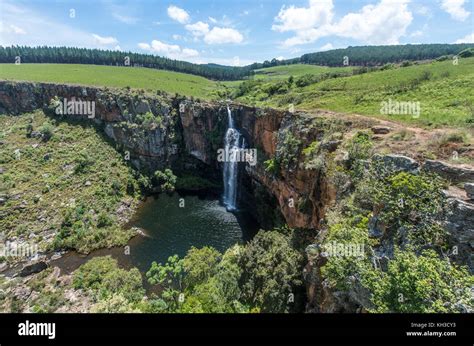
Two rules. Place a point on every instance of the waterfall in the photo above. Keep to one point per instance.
(232, 145)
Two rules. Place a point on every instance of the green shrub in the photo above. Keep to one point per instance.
(412, 207)
(208, 280)
(166, 180)
(348, 232)
(104, 279)
(420, 284)
(288, 151)
(271, 271)
(83, 161)
(29, 130)
(104, 220)
(272, 166)
(149, 121)
(360, 145)
(46, 130)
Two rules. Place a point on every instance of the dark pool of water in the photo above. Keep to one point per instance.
(171, 228)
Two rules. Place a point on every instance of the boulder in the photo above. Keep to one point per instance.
(460, 225)
(331, 145)
(398, 162)
(33, 268)
(381, 130)
(3, 267)
(469, 188)
(142, 107)
(450, 172)
(21, 292)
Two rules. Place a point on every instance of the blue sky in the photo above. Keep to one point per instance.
(233, 32)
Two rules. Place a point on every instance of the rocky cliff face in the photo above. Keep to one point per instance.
(293, 195)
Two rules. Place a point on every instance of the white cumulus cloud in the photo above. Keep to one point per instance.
(381, 23)
(198, 29)
(456, 9)
(11, 29)
(318, 13)
(178, 14)
(219, 35)
(104, 41)
(466, 39)
(172, 51)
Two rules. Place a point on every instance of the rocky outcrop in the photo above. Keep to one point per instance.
(469, 188)
(381, 130)
(460, 225)
(452, 173)
(33, 268)
(302, 195)
(398, 162)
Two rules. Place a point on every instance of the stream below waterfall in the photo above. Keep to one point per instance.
(172, 229)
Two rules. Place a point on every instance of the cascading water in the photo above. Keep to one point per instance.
(233, 145)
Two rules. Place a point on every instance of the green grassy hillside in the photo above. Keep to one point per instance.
(443, 89)
(112, 76)
(297, 70)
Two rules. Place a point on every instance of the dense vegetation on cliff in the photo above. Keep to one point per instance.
(69, 187)
(407, 262)
(262, 276)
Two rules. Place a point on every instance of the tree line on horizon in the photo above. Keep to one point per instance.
(356, 56)
(372, 55)
(73, 55)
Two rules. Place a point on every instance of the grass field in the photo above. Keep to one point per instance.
(112, 76)
(444, 91)
(296, 70)
(280, 73)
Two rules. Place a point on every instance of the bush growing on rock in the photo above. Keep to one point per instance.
(423, 284)
(166, 180)
(410, 207)
(206, 281)
(288, 150)
(398, 219)
(271, 271)
(47, 131)
(112, 287)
